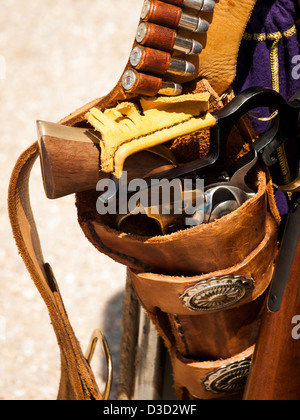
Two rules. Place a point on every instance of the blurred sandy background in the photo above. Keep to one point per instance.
(55, 56)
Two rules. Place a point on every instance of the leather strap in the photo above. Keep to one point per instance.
(77, 379)
(165, 292)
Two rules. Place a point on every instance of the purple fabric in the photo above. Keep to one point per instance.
(254, 67)
(254, 64)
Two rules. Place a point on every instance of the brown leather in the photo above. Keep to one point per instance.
(163, 292)
(193, 337)
(77, 379)
(216, 63)
(164, 267)
(190, 374)
(164, 254)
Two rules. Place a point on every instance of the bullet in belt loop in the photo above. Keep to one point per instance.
(161, 13)
(144, 84)
(187, 46)
(166, 39)
(173, 17)
(159, 62)
(199, 5)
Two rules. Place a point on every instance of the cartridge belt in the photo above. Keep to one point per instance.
(222, 379)
(174, 44)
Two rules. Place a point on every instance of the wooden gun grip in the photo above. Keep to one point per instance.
(70, 160)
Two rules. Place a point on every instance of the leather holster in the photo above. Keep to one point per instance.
(204, 287)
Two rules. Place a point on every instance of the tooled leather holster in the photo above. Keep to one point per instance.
(210, 348)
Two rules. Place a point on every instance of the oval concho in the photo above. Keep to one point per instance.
(229, 379)
(217, 293)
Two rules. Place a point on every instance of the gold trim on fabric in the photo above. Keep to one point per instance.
(273, 36)
(274, 59)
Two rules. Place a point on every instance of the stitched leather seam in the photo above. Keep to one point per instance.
(149, 134)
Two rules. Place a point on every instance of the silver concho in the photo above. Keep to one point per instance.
(217, 293)
(229, 379)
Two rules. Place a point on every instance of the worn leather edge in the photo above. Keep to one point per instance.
(188, 373)
(163, 254)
